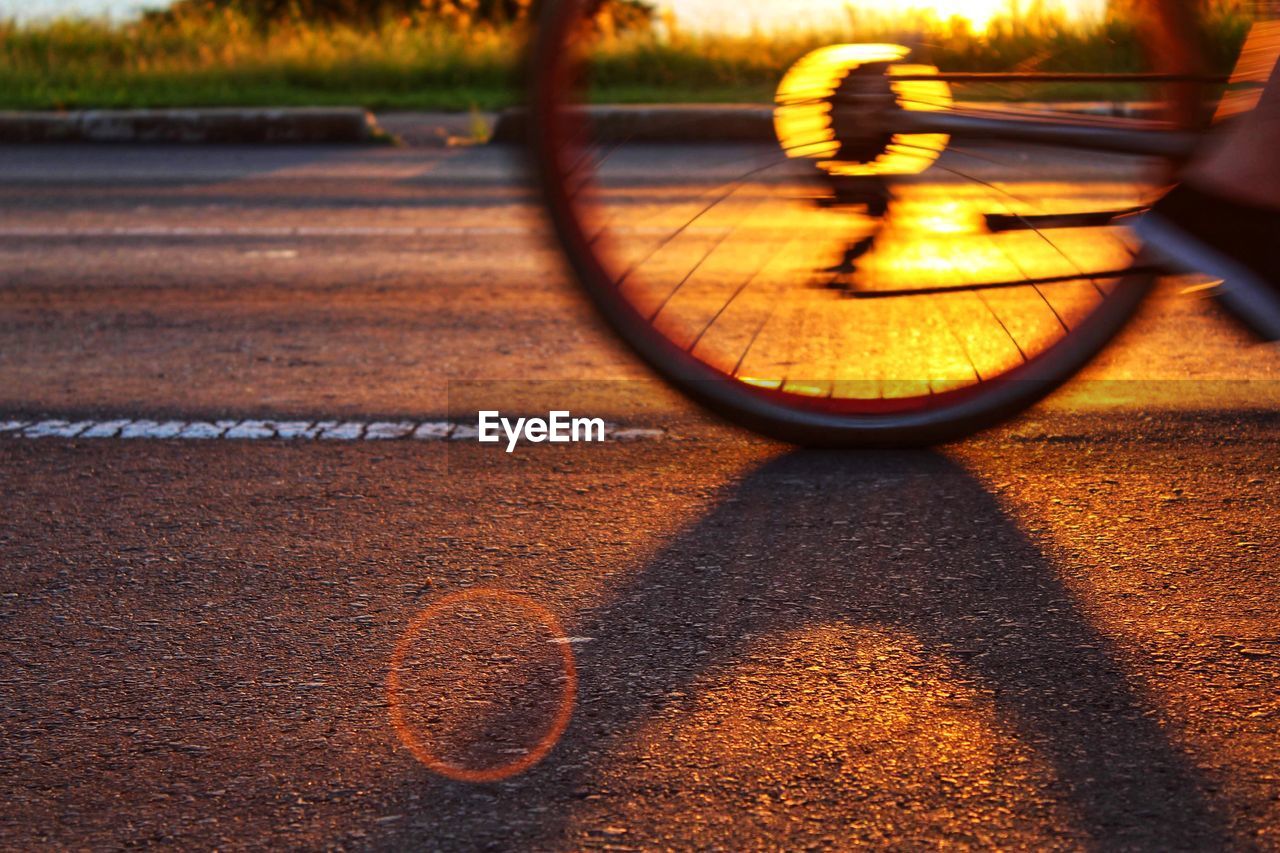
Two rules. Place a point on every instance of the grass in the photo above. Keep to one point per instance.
(220, 59)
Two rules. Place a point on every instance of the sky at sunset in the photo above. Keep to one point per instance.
(743, 14)
(693, 14)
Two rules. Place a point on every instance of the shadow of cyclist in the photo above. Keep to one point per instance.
(814, 539)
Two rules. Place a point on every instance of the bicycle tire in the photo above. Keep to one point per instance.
(773, 412)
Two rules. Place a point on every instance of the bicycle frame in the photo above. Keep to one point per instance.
(1116, 136)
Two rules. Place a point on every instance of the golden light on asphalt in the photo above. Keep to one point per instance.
(858, 708)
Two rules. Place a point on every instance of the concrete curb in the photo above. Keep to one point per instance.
(718, 123)
(686, 123)
(230, 125)
(659, 123)
(418, 129)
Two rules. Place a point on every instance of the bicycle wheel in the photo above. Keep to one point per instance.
(847, 274)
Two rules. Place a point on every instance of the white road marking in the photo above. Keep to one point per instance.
(433, 431)
(56, 429)
(292, 430)
(104, 429)
(148, 429)
(205, 429)
(261, 430)
(398, 429)
(252, 429)
(349, 431)
(273, 253)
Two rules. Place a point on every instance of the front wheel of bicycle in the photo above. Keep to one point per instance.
(886, 254)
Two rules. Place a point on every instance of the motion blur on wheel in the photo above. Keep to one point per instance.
(887, 250)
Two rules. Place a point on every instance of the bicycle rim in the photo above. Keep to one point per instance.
(730, 279)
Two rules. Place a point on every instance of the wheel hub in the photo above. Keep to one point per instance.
(833, 107)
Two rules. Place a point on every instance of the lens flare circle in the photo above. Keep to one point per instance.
(395, 699)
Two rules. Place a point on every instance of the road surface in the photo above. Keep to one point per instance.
(1061, 633)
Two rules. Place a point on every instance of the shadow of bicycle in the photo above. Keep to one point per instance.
(889, 545)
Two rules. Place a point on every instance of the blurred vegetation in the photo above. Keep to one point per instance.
(370, 13)
(461, 54)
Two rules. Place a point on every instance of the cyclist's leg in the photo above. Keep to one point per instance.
(1224, 220)
(1243, 162)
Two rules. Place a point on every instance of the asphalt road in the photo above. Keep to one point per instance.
(1059, 634)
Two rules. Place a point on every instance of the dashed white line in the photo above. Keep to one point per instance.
(150, 429)
(105, 429)
(202, 429)
(432, 431)
(349, 431)
(461, 432)
(383, 431)
(55, 429)
(251, 429)
(294, 430)
(261, 430)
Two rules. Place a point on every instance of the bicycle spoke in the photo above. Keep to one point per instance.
(939, 265)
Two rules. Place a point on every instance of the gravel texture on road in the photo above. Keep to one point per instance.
(1060, 634)
(773, 648)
